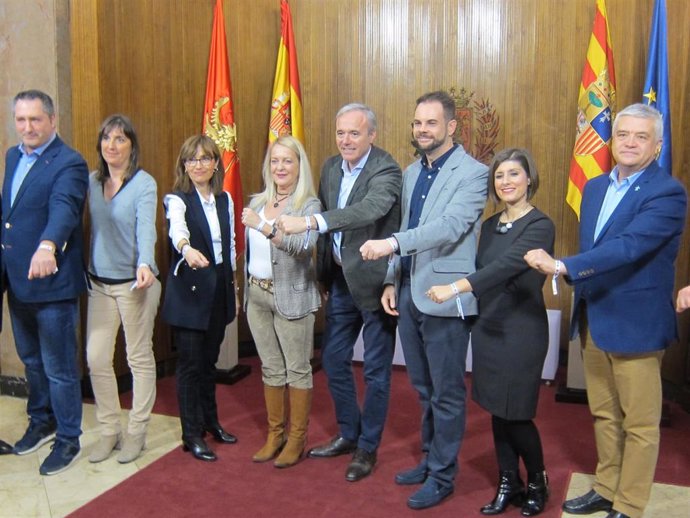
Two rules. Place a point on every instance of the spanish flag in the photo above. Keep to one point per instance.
(286, 105)
(596, 109)
(219, 121)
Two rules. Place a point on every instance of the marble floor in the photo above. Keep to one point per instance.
(26, 494)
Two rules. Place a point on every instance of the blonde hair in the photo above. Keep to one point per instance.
(305, 183)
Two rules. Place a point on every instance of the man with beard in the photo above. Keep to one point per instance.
(443, 198)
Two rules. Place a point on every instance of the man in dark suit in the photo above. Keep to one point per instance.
(360, 192)
(42, 266)
(443, 197)
(632, 220)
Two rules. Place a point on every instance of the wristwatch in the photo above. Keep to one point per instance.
(274, 230)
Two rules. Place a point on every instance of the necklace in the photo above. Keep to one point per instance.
(278, 200)
(503, 228)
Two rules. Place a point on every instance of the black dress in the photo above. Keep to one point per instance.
(510, 337)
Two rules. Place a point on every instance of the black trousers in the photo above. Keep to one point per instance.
(197, 356)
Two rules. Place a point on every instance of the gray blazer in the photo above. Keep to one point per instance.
(295, 290)
(443, 247)
(372, 212)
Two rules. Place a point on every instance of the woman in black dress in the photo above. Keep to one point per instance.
(510, 336)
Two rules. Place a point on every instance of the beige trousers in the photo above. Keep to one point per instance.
(284, 346)
(624, 393)
(110, 306)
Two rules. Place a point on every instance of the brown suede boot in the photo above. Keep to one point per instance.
(300, 404)
(275, 409)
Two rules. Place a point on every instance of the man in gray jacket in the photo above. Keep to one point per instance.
(444, 193)
(360, 194)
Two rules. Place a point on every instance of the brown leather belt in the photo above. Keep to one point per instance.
(264, 284)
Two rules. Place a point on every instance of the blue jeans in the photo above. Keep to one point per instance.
(435, 351)
(343, 323)
(45, 336)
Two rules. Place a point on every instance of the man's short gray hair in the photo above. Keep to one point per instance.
(351, 107)
(642, 111)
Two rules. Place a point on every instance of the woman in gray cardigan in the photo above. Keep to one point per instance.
(124, 289)
(281, 296)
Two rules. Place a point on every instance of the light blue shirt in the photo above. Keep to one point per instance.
(614, 195)
(26, 162)
(349, 178)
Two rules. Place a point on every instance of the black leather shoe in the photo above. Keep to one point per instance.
(5, 449)
(220, 435)
(510, 490)
(199, 449)
(337, 446)
(536, 495)
(616, 514)
(362, 465)
(587, 504)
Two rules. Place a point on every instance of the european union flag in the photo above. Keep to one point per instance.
(656, 81)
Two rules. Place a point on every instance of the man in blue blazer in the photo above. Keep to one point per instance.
(444, 193)
(42, 268)
(632, 220)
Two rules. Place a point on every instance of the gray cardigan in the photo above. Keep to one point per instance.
(295, 289)
(123, 230)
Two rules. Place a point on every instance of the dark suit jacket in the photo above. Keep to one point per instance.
(626, 276)
(372, 212)
(49, 206)
(189, 293)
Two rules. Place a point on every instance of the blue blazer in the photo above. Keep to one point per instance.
(626, 276)
(48, 206)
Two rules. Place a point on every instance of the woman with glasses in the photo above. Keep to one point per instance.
(510, 337)
(281, 295)
(200, 297)
(124, 288)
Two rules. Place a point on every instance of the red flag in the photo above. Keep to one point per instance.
(219, 121)
(286, 104)
(596, 109)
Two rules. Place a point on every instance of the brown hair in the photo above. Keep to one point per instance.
(522, 157)
(122, 123)
(188, 150)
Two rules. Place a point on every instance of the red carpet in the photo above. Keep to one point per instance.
(177, 485)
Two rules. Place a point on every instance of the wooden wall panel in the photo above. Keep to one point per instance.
(525, 56)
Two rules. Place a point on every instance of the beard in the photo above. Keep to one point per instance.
(427, 148)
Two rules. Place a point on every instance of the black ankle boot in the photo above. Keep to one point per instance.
(537, 493)
(510, 491)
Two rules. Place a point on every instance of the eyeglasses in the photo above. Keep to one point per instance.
(204, 160)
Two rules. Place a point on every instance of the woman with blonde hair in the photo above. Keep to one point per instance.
(281, 296)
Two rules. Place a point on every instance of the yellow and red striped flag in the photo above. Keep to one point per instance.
(286, 104)
(596, 109)
(219, 120)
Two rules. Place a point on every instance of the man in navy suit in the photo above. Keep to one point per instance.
(42, 267)
(632, 220)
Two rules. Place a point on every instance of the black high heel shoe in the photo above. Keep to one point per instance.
(199, 449)
(537, 493)
(220, 435)
(510, 490)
